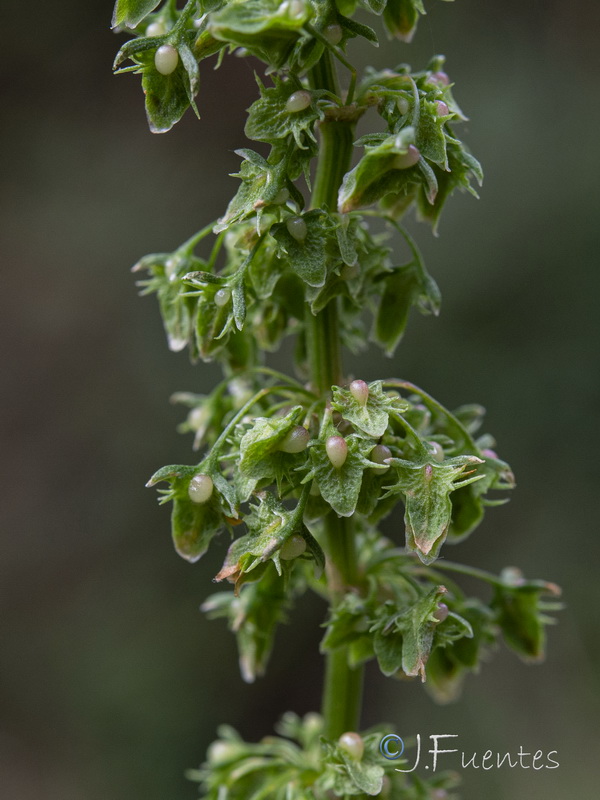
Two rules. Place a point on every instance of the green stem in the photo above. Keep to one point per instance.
(342, 692)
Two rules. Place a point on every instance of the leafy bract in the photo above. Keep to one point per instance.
(426, 485)
(370, 418)
(131, 12)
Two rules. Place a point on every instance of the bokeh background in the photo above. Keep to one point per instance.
(112, 682)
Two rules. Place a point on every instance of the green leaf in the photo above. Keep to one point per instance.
(253, 616)
(401, 17)
(371, 418)
(406, 286)
(267, 28)
(193, 527)
(270, 525)
(270, 121)
(411, 632)
(388, 650)
(426, 485)
(339, 486)
(377, 173)
(260, 454)
(346, 776)
(520, 615)
(309, 257)
(375, 6)
(131, 12)
(462, 167)
(169, 96)
(262, 182)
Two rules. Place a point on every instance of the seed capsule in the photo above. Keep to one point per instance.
(442, 109)
(360, 392)
(379, 454)
(353, 744)
(156, 29)
(166, 59)
(348, 273)
(293, 547)
(200, 488)
(441, 612)
(333, 33)
(298, 101)
(295, 441)
(295, 8)
(437, 451)
(221, 751)
(222, 297)
(297, 228)
(439, 77)
(408, 159)
(403, 105)
(337, 450)
(281, 197)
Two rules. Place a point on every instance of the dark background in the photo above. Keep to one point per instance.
(112, 682)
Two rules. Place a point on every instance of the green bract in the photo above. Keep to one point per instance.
(300, 471)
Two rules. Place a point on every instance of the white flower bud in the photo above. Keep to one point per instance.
(403, 105)
(441, 612)
(333, 33)
(439, 78)
(360, 392)
(437, 451)
(348, 272)
(295, 441)
(441, 108)
(293, 547)
(156, 29)
(298, 101)
(337, 450)
(408, 159)
(281, 197)
(353, 744)
(297, 228)
(166, 59)
(379, 454)
(222, 297)
(200, 488)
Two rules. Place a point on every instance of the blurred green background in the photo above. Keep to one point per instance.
(112, 683)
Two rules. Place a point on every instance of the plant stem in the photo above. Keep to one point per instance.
(342, 692)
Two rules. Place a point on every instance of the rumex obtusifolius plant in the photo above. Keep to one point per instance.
(300, 470)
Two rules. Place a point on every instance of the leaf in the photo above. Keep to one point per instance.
(339, 486)
(371, 418)
(427, 485)
(388, 650)
(261, 184)
(193, 527)
(406, 286)
(377, 173)
(519, 613)
(253, 616)
(401, 17)
(130, 13)
(260, 454)
(169, 96)
(270, 525)
(267, 28)
(411, 633)
(462, 167)
(309, 257)
(270, 121)
(375, 6)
